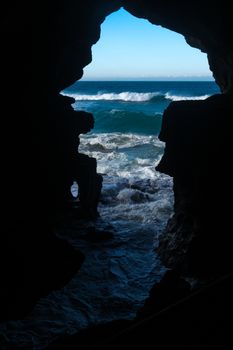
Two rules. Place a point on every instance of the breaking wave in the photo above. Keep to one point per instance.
(129, 96)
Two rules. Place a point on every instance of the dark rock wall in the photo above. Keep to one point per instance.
(74, 27)
(197, 153)
(44, 47)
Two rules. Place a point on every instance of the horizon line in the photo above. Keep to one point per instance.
(150, 80)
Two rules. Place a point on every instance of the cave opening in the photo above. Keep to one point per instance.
(118, 273)
(138, 69)
(127, 95)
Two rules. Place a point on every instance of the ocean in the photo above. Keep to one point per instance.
(125, 142)
(135, 204)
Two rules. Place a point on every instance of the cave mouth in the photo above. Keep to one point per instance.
(136, 200)
(127, 95)
(103, 287)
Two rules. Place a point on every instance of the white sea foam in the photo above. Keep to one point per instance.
(122, 96)
(143, 201)
(114, 155)
(128, 164)
(129, 96)
(117, 140)
(168, 96)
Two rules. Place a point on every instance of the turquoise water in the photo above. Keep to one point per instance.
(128, 116)
(134, 106)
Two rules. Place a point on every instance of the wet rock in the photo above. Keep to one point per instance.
(129, 194)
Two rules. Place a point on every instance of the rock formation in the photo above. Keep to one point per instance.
(44, 47)
(198, 136)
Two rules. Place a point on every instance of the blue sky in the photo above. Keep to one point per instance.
(131, 48)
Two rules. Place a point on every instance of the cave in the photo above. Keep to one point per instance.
(44, 50)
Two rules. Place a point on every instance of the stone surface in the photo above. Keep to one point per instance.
(44, 48)
(197, 153)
